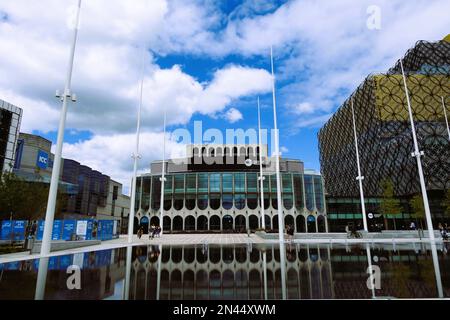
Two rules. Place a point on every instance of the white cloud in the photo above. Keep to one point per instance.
(233, 115)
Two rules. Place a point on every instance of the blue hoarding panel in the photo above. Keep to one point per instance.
(69, 229)
(56, 233)
(19, 229)
(40, 230)
(6, 233)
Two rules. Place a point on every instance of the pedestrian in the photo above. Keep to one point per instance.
(290, 232)
(412, 226)
(347, 231)
(152, 232)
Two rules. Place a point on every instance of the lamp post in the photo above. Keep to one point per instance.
(261, 176)
(163, 176)
(417, 154)
(277, 156)
(360, 177)
(277, 168)
(136, 158)
(51, 204)
(445, 116)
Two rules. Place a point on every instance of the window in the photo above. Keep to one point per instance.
(203, 183)
(318, 191)
(298, 191)
(214, 182)
(191, 183)
(227, 182)
(252, 182)
(179, 183)
(239, 182)
(309, 192)
(227, 201)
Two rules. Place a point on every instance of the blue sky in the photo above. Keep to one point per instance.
(205, 61)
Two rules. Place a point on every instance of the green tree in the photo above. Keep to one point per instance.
(23, 199)
(418, 210)
(389, 204)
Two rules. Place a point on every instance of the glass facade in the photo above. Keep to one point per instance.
(229, 191)
(238, 195)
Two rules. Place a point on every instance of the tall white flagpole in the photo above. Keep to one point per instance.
(360, 178)
(163, 176)
(53, 192)
(417, 154)
(277, 156)
(446, 119)
(136, 158)
(261, 176)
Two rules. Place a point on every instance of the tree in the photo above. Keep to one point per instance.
(418, 210)
(389, 204)
(24, 200)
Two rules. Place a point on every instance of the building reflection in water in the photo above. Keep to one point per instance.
(231, 272)
(240, 272)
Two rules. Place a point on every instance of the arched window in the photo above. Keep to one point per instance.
(311, 223)
(227, 223)
(300, 221)
(253, 222)
(177, 223)
(167, 223)
(240, 223)
(321, 223)
(202, 223)
(214, 223)
(189, 223)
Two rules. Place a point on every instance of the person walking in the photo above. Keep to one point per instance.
(151, 232)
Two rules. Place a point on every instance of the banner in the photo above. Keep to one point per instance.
(6, 233)
(19, 229)
(69, 229)
(56, 232)
(82, 229)
(40, 230)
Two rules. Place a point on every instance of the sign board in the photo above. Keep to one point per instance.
(370, 215)
(56, 232)
(40, 230)
(42, 160)
(82, 227)
(68, 229)
(19, 229)
(6, 230)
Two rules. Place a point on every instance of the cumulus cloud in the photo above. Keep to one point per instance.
(233, 115)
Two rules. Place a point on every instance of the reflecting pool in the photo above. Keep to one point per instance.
(238, 272)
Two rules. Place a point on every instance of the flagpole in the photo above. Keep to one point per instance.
(136, 158)
(417, 154)
(360, 178)
(53, 192)
(163, 177)
(277, 155)
(446, 119)
(261, 177)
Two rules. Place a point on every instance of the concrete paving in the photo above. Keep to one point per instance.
(192, 239)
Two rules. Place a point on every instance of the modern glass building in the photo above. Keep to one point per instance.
(10, 117)
(385, 139)
(216, 188)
